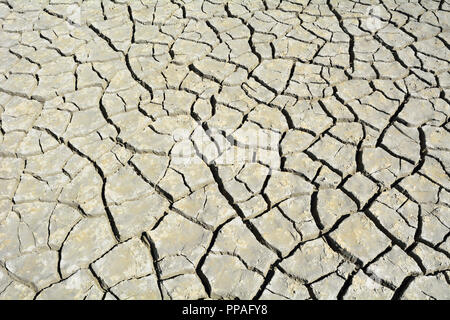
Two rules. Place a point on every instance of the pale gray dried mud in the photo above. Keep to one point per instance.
(267, 149)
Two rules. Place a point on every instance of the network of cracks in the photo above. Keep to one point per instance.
(249, 149)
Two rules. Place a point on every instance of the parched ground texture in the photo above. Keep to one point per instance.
(294, 149)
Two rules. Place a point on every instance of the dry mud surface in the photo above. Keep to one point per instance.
(271, 149)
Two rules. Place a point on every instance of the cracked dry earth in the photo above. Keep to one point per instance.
(224, 149)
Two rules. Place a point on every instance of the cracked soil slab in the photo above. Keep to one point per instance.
(224, 149)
